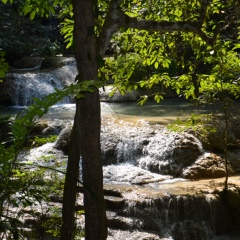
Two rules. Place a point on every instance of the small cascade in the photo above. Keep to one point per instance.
(154, 149)
(21, 87)
(169, 152)
(184, 216)
(128, 149)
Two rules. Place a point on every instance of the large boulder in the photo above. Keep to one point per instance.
(211, 165)
(208, 166)
(170, 152)
(27, 63)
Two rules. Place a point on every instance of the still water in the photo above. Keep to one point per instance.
(163, 113)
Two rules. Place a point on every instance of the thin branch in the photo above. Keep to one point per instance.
(203, 12)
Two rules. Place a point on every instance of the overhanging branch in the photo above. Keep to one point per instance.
(116, 18)
(165, 26)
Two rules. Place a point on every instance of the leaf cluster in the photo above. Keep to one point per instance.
(182, 61)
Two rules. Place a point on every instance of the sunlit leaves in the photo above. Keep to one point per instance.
(124, 70)
(42, 8)
(6, 1)
(158, 97)
(67, 31)
(143, 99)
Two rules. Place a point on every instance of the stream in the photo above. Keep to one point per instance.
(147, 194)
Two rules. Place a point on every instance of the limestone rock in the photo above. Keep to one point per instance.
(152, 148)
(208, 166)
(169, 152)
(39, 127)
(118, 97)
(62, 142)
(211, 165)
(27, 62)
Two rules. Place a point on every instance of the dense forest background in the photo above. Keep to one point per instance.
(22, 37)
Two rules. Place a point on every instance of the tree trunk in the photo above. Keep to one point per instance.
(85, 136)
(70, 185)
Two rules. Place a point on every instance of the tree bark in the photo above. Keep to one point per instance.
(70, 185)
(85, 136)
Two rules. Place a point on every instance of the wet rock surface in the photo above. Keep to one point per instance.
(137, 147)
(182, 210)
(150, 204)
(152, 148)
(207, 166)
(147, 191)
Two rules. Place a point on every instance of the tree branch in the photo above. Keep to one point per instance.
(110, 26)
(165, 26)
(116, 18)
(203, 12)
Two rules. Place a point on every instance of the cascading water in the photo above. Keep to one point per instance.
(152, 148)
(21, 87)
(143, 164)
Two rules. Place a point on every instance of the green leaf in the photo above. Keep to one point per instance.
(32, 15)
(236, 46)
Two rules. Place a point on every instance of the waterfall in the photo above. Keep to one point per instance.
(174, 215)
(145, 204)
(21, 87)
(152, 148)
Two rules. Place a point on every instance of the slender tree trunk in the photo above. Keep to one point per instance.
(85, 136)
(226, 147)
(70, 185)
